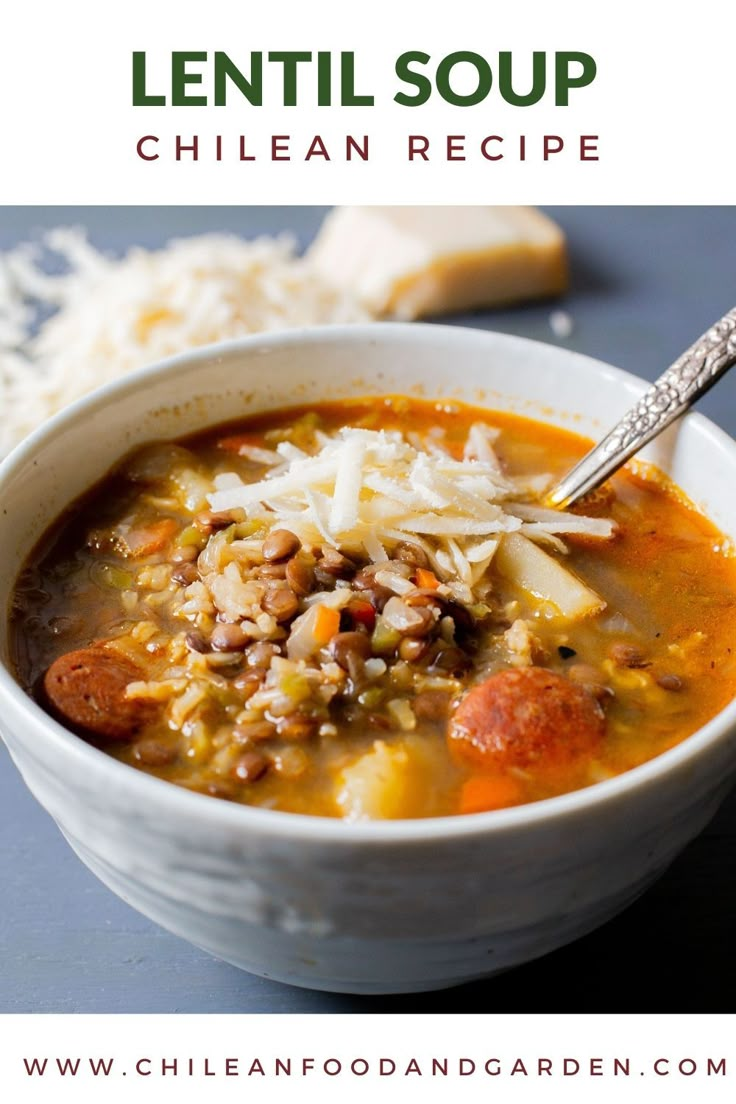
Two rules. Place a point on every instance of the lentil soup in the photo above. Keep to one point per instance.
(363, 610)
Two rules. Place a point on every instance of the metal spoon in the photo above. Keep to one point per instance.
(675, 391)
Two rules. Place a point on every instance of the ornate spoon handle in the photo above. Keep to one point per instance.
(675, 391)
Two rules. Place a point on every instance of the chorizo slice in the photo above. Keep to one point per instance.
(86, 690)
(526, 717)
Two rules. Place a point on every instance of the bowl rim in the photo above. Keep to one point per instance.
(332, 830)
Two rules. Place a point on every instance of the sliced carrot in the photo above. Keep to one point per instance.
(483, 793)
(235, 443)
(426, 579)
(149, 538)
(326, 624)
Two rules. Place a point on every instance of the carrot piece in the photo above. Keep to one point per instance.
(326, 624)
(426, 579)
(236, 442)
(149, 538)
(483, 793)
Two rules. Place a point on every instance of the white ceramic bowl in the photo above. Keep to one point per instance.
(364, 908)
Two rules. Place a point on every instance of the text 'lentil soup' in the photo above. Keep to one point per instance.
(362, 610)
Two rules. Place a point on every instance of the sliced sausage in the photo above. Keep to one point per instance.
(86, 689)
(526, 717)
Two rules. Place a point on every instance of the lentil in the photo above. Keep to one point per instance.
(300, 575)
(229, 638)
(280, 545)
(281, 602)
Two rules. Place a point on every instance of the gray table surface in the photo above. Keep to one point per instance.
(645, 282)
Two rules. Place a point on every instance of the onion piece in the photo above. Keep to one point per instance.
(400, 616)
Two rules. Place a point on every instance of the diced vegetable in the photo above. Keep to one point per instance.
(525, 564)
(402, 618)
(426, 579)
(371, 698)
(377, 785)
(385, 639)
(326, 624)
(192, 535)
(192, 488)
(481, 794)
(312, 631)
(246, 529)
(295, 686)
(402, 713)
(155, 463)
(148, 539)
(110, 576)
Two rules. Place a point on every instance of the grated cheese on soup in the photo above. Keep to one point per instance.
(103, 317)
(368, 490)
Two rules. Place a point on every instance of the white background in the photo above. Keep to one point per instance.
(662, 103)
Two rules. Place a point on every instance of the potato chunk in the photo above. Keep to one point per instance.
(378, 785)
(523, 563)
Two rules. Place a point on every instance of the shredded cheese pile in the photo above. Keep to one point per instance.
(101, 317)
(367, 490)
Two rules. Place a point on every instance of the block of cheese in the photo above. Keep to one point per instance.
(410, 262)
